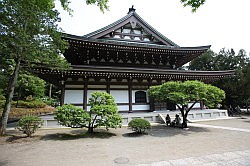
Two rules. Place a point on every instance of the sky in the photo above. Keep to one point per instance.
(219, 23)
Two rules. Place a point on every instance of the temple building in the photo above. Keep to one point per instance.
(124, 59)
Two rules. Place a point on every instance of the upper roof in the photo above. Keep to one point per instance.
(131, 28)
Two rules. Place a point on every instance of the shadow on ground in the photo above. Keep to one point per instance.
(21, 139)
(2, 163)
(166, 131)
(78, 134)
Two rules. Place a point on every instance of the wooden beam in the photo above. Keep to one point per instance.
(108, 86)
(130, 95)
(62, 92)
(85, 96)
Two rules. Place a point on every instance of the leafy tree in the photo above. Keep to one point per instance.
(29, 33)
(103, 112)
(237, 87)
(102, 4)
(30, 85)
(186, 92)
(194, 4)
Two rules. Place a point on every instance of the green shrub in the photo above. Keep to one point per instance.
(31, 104)
(71, 116)
(103, 112)
(2, 97)
(139, 125)
(29, 124)
(51, 102)
(2, 102)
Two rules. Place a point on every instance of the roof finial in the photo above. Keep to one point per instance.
(131, 9)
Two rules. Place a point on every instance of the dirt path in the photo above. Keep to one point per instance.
(52, 147)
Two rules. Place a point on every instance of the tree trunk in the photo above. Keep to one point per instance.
(50, 91)
(184, 123)
(10, 93)
(90, 129)
(184, 116)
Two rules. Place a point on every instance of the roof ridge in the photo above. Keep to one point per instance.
(130, 14)
(108, 26)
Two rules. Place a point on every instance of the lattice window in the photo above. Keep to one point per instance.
(140, 97)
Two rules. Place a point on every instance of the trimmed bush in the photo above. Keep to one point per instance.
(139, 125)
(71, 116)
(31, 104)
(29, 124)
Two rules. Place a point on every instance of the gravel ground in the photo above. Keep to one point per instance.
(67, 147)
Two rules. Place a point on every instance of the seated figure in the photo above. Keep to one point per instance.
(168, 120)
(176, 121)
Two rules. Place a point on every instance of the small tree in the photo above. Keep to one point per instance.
(29, 124)
(186, 92)
(103, 112)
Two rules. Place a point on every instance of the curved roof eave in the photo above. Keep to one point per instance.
(113, 42)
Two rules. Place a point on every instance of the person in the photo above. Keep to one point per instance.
(177, 120)
(168, 120)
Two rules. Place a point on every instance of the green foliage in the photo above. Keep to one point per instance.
(139, 125)
(29, 124)
(52, 102)
(183, 93)
(30, 104)
(71, 116)
(2, 97)
(30, 85)
(186, 92)
(2, 102)
(30, 35)
(102, 4)
(103, 112)
(194, 4)
(237, 87)
(103, 106)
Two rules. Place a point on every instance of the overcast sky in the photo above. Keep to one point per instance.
(220, 23)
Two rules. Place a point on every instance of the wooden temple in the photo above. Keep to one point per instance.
(124, 59)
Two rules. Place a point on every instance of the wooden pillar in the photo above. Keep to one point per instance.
(85, 96)
(62, 92)
(151, 100)
(130, 95)
(108, 86)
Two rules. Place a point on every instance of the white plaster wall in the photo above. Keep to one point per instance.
(141, 107)
(123, 108)
(121, 96)
(73, 96)
(120, 108)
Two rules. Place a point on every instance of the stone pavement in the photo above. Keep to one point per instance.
(236, 158)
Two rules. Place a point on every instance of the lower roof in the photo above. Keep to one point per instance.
(150, 74)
